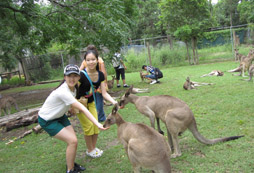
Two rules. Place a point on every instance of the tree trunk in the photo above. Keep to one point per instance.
(149, 54)
(170, 41)
(196, 48)
(188, 53)
(193, 50)
(27, 78)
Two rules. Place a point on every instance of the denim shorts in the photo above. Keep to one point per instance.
(151, 76)
(52, 127)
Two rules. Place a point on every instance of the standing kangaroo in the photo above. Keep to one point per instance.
(175, 113)
(6, 103)
(144, 146)
(244, 65)
(111, 82)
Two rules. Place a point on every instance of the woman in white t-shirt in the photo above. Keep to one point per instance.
(52, 116)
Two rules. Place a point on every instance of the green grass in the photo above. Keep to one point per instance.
(223, 109)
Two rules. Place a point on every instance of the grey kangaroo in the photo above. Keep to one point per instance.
(5, 104)
(175, 113)
(144, 146)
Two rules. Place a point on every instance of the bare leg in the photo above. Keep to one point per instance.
(91, 142)
(68, 135)
(123, 81)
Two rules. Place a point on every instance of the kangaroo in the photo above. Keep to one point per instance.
(144, 146)
(5, 104)
(244, 65)
(251, 72)
(111, 83)
(140, 90)
(174, 112)
(239, 57)
(188, 85)
(214, 73)
(142, 75)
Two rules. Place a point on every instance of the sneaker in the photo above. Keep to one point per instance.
(78, 167)
(153, 82)
(72, 171)
(99, 151)
(118, 85)
(94, 154)
(126, 86)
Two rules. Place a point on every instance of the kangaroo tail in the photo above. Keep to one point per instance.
(238, 69)
(202, 139)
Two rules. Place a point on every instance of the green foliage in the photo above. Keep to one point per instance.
(245, 9)
(225, 12)
(194, 13)
(15, 80)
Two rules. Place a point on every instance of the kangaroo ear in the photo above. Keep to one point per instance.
(115, 108)
(129, 91)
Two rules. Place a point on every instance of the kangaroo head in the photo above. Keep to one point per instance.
(111, 118)
(188, 79)
(125, 98)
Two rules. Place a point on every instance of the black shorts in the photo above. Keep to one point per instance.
(119, 72)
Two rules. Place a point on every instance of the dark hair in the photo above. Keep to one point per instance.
(143, 67)
(92, 49)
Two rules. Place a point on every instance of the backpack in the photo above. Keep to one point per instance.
(115, 62)
(158, 73)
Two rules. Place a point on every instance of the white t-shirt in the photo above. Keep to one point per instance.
(57, 103)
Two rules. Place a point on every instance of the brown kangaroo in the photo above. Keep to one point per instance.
(5, 104)
(214, 73)
(188, 84)
(144, 146)
(175, 113)
(251, 72)
(239, 57)
(244, 65)
(111, 83)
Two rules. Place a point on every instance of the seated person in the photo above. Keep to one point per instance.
(154, 75)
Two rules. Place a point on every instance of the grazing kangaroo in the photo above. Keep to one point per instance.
(142, 75)
(188, 85)
(144, 146)
(5, 104)
(111, 82)
(175, 113)
(244, 65)
(214, 73)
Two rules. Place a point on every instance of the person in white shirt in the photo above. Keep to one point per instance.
(52, 116)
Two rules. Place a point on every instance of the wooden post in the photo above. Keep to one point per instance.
(149, 54)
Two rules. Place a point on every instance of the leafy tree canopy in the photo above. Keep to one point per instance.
(27, 26)
(245, 9)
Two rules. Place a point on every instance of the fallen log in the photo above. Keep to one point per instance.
(25, 117)
(24, 121)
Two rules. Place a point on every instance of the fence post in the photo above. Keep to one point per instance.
(149, 54)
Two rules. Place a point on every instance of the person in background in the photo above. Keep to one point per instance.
(91, 79)
(53, 120)
(154, 75)
(120, 68)
(99, 98)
